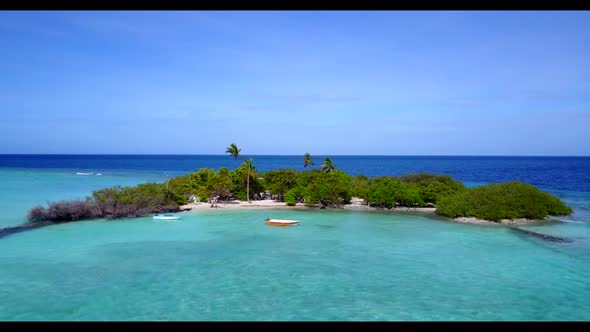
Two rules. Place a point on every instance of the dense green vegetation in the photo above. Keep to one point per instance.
(324, 187)
(507, 200)
(110, 203)
(409, 190)
(279, 182)
(316, 187)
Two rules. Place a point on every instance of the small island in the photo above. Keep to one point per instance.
(325, 187)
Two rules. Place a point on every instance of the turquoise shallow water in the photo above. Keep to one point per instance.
(335, 265)
(227, 265)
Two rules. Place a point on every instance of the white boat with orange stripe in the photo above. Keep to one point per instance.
(280, 222)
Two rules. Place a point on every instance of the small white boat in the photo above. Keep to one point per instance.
(166, 217)
(280, 222)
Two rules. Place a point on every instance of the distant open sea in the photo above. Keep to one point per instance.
(335, 265)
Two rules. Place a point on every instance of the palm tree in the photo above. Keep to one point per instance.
(233, 151)
(250, 173)
(328, 165)
(307, 160)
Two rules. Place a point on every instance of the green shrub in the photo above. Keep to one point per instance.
(382, 192)
(279, 182)
(291, 197)
(360, 186)
(432, 187)
(220, 184)
(387, 192)
(114, 202)
(409, 195)
(410, 190)
(507, 200)
(327, 188)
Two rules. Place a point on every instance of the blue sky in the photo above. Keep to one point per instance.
(341, 82)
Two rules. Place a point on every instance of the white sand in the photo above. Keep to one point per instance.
(355, 204)
(261, 204)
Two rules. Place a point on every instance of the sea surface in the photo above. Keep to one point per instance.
(334, 266)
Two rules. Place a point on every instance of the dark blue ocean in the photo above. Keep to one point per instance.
(555, 173)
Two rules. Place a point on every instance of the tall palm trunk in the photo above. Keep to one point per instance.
(248, 185)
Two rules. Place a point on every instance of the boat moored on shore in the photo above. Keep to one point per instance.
(166, 217)
(280, 222)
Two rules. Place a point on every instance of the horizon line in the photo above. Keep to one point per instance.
(282, 155)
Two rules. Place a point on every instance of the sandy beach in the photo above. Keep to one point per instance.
(259, 204)
(355, 204)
